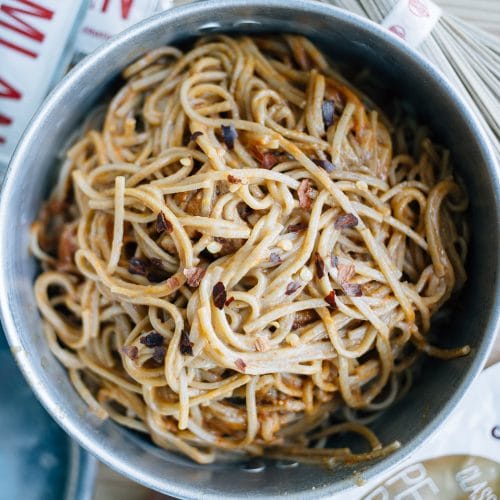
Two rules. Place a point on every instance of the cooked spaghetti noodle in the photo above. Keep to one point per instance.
(245, 253)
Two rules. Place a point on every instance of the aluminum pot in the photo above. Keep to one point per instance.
(440, 384)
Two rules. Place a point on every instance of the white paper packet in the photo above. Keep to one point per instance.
(460, 461)
(106, 18)
(412, 20)
(36, 39)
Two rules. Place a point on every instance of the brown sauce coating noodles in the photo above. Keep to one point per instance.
(245, 247)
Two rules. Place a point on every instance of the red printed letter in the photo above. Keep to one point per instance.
(21, 26)
(126, 6)
(8, 91)
(4, 120)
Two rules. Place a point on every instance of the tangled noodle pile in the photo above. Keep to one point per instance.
(243, 248)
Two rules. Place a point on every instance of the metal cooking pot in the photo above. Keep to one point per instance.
(439, 386)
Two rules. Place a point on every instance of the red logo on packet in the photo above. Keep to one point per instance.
(126, 6)
(418, 8)
(398, 30)
(17, 19)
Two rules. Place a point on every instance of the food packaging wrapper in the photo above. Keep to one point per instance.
(460, 461)
(38, 40)
(36, 45)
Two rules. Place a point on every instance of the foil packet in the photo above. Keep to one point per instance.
(106, 18)
(460, 461)
(39, 39)
(36, 45)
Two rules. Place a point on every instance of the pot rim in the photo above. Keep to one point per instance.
(119, 463)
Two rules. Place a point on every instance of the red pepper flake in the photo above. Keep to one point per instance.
(304, 193)
(194, 275)
(352, 289)
(195, 135)
(228, 245)
(274, 258)
(325, 164)
(130, 351)
(185, 345)
(320, 265)
(162, 224)
(328, 110)
(297, 228)
(346, 221)
(233, 180)
(240, 364)
(138, 266)
(292, 287)
(229, 135)
(219, 295)
(345, 273)
(330, 300)
(159, 354)
(230, 300)
(267, 159)
(152, 339)
(67, 246)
